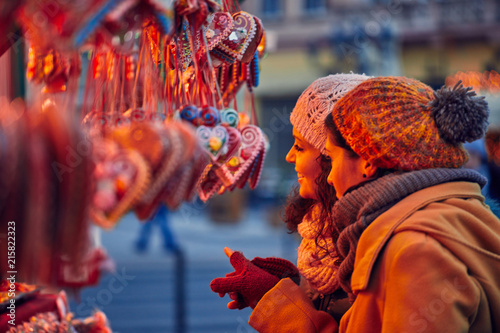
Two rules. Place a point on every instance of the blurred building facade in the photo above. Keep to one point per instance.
(306, 39)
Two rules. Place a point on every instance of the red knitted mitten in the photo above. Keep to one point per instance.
(248, 280)
(279, 267)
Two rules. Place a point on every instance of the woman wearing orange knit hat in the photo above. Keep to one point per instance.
(418, 247)
(309, 205)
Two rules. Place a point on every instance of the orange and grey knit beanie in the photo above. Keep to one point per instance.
(317, 101)
(401, 123)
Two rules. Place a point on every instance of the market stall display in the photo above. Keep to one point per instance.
(132, 105)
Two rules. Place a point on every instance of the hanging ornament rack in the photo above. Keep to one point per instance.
(156, 122)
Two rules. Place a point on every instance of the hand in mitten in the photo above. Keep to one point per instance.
(278, 267)
(248, 281)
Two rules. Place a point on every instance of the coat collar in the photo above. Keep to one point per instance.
(378, 233)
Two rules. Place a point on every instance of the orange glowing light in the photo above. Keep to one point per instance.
(488, 81)
(244, 119)
(31, 66)
(49, 63)
(262, 46)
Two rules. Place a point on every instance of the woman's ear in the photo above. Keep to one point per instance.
(368, 169)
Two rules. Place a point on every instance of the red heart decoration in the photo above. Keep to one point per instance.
(239, 169)
(200, 161)
(121, 178)
(180, 185)
(254, 43)
(170, 161)
(221, 24)
(242, 33)
(209, 183)
(232, 146)
(257, 170)
(250, 156)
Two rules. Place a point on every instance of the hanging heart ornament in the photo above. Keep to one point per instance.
(221, 24)
(213, 140)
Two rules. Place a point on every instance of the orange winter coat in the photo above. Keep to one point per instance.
(431, 263)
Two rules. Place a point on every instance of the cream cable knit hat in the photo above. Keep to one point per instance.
(317, 101)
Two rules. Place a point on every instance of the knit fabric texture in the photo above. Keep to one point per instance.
(278, 267)
(317, 101)
(357, 209)
(401, 123)
(250, 281)
(313, 262)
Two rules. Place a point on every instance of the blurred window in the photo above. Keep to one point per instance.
(314, 6)
(272, 8)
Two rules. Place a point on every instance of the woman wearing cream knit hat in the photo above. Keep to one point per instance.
(308, 206)
(308, 209)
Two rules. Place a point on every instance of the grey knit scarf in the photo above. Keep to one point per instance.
(358, 208)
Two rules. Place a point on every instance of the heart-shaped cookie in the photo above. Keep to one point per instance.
(200, 162)
(171, 159)
(252, 174)
(151, 199)
(254, 43)
(234, 46)
(212, 139)
(257, 169)
(122, 180)
(232, 147)
(175, 190)
(220, 27)
(209, 184)
(241, 166)
(143, 137)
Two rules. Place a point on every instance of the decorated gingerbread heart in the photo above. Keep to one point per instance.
(239, 168)
(121, 179)
(254, 43)
(209, 184)
(173, 157)
(161, 175)
(242, 34)
(252, 174)
(242, 165)
(257, 169)
(232, 147)
(220, 27)
(193, 161)
(213, 140)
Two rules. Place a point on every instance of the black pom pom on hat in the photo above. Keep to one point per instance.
(460, 115)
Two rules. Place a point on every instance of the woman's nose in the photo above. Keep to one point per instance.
(290, 156)
(329, 180)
